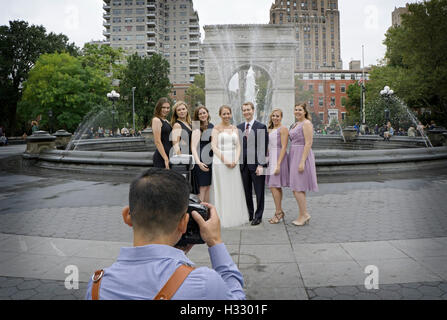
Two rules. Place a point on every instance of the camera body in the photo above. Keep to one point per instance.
(192, 234)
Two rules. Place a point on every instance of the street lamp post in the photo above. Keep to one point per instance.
(387, 93)
(50, 120)
(113, 96)
(133, 108)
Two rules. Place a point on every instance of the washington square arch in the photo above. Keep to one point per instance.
(250, 63)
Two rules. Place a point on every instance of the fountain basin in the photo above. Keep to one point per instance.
(127, 163)
(329, 162)
(350, 133)
(437, 136)
(127, 144)
(367, 142)
(38, 142)
(62, 138)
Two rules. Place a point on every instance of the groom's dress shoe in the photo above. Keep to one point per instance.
(256, 222)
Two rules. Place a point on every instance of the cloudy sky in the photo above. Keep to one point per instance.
(363, 22)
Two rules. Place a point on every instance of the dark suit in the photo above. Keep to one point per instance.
(254, 154)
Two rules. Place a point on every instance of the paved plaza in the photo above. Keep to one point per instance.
(53, 219)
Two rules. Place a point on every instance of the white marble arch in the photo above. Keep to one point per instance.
(230, 48)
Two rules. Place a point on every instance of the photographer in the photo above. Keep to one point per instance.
(158, 202)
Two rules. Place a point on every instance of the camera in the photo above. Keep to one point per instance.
(192, 234)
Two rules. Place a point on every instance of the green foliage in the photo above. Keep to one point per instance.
(416, 66)
(199, 81)
(375, 113)
(353, 104)
(150, 76)
(20, 47)
(60, 83)
(104, 58)
(194, 96)
(334, 124)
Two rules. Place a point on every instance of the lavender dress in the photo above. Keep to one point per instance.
(306, 180)
(282, 179)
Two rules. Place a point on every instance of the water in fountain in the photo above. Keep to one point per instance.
(250, 87)
(399, 115)
(341, 129)
(92, 119)
(414, 120)
(241, 84)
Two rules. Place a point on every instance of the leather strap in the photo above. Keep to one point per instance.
(97, 277)
(174, 283)
(166, 293)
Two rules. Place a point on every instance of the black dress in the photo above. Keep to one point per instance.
(186, 146)
(158, 161)
(204, 178)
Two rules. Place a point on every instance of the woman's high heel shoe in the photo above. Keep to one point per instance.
(277, 217)
(302, 223)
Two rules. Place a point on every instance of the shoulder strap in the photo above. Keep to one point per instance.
(174, 283)
(97, 277)
(166, 293)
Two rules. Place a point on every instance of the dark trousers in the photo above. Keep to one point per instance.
(250, 179)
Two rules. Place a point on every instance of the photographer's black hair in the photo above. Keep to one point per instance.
(158, 199)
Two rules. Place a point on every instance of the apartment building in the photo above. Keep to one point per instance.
(166, 27)
(317, 28)
(396, 15)
(329, 90)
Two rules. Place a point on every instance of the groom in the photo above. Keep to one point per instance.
(254, 141)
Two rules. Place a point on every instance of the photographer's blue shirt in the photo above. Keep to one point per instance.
(141, 272)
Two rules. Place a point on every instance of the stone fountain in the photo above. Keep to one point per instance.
(236, 56)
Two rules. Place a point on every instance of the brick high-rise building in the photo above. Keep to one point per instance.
(317, 31)
(167, 27)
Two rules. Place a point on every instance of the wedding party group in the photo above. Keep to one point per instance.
(232, 161)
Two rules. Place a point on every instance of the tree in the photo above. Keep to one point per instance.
(416, 53)
(60, 83)
(199, 81)
(353, 104)
(104, 58)
(375, 112)
(20, 47)
(194, 96)
(150, 76)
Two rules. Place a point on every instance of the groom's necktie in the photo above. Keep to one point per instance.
(247, 130)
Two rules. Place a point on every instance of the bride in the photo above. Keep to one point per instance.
(227, 193)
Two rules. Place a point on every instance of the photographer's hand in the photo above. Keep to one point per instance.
(210, 229)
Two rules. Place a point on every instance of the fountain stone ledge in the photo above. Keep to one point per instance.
(328, 162)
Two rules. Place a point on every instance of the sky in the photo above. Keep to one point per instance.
(362, 22)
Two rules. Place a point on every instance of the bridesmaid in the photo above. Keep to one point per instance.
(161, 130)
(303, 176)
(181, 135)
(202, 136)
(278, 170)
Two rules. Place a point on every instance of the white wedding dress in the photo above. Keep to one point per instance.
(227, 192)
